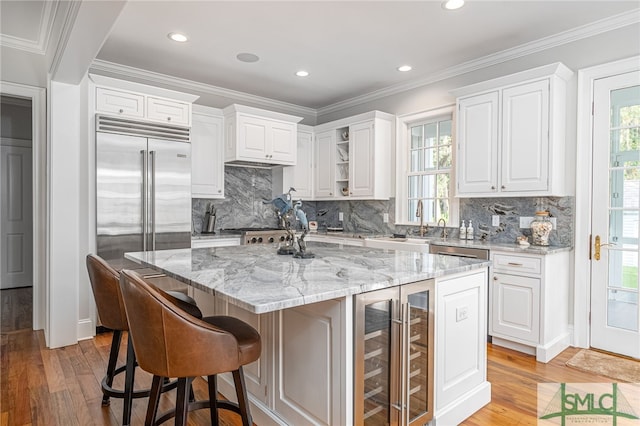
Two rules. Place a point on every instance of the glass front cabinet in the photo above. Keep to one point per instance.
(394, 338)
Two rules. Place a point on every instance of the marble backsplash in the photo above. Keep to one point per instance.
(246, 189)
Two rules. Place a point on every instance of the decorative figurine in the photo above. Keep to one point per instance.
(288, 214)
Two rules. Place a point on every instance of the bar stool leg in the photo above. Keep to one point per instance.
(154, 399)
(128, 383)
(243, 400)
(113, 360)
(182, 403)
(213, 399)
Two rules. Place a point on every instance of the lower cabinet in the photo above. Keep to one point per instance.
(309, 364)
(529, 309)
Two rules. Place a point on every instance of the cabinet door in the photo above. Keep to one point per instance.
(300, 176)
(477, 156)
(252, 138)
(168, 111)
(119, 102)
(324, 165)
(361, 161)
(309, 376)
(281, 142)
(525, 137)
(515, 307)
(207, 159)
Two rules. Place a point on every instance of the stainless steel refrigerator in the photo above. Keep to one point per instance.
(143, 188)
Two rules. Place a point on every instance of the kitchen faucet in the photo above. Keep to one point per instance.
(420, 214)
(443, 234)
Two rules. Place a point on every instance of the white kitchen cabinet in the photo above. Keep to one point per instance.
(300, 176)
(254, 135)
(142, 106)
(207, 158)
(529, 308)
(353, 158)
(168, 111)
(324, 150)
(119, 102)
(510, 135)
(310, 360)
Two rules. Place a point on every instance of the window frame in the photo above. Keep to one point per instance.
(403, 124)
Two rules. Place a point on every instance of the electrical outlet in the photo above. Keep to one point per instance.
(462, 313)
(553, 222)
(525, 222)
(385, 217)
(340, 216)
(495, 220)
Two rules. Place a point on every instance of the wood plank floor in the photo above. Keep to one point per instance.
(41, 386)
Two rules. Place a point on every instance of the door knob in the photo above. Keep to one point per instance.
(598, 245)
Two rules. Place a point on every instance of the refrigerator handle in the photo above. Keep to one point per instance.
(153, 199)
(144, 199)
(404, 367)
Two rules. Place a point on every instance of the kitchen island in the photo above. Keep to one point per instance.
(305, 312)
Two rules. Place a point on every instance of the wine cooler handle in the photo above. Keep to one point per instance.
(407, 360)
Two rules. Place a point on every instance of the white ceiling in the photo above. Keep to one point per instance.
(351, 48)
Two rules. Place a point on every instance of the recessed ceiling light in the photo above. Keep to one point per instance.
(452, 4)
(302, 73)
(405, 68)
(180, 38)
(247, 57)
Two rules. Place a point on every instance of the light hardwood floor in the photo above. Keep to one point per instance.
(40, 386)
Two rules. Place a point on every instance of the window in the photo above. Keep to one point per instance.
(425, 154)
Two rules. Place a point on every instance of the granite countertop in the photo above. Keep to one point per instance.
(259, 280)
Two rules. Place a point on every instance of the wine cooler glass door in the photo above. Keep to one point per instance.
(418, 340)
(376, 381)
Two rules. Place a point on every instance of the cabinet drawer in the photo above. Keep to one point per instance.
(516, 264)
(120, 103)
(168, 111)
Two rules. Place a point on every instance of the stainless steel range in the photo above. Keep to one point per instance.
(258, 235)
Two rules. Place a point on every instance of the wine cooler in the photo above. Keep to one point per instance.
(394, 335)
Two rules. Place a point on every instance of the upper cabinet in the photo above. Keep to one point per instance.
(300, 176)
(207, 158)
(511, 134)
(254, 135)
(140, 106)
(353, 157)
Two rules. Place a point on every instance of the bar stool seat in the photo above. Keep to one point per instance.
(159, 329)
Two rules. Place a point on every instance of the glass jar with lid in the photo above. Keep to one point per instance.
(541, 228)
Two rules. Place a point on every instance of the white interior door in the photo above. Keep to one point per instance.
(16, 235)
(615, 316)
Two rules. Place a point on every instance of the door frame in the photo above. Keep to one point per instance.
(37, 95)
(584, 185)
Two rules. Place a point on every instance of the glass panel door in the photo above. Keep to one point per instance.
(616, 214)
(418, 307)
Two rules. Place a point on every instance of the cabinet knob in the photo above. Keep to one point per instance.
(219, 191)
(495, 278)
(168, 118)
(493, 187)
(503, 187)
(120, 110)
(331, 193)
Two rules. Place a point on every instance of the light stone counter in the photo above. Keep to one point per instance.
(259, 280)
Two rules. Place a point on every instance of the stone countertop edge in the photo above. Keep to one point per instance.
(265, 282)
(216, 236)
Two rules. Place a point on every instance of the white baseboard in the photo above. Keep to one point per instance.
(463, 407)
(530, 350)
(86, 329)
(260, 413)
(549, 351)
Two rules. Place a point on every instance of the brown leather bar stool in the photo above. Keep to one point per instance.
(161, 331)
(105, 283)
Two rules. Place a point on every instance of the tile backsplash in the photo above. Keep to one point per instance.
(247, 190)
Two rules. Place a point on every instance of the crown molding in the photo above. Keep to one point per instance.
(69, 19)
(38, 46)
(124, 71)
(575, 34)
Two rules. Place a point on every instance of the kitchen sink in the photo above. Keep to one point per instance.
(395, 243)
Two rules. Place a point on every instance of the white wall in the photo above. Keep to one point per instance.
(69, 302)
